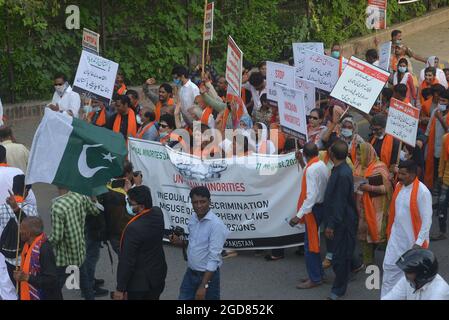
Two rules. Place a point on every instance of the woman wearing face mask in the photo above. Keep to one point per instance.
(349, 134)
(373, 200)
(434, 61)
(315, 127)
(263, 144)
(402, 75)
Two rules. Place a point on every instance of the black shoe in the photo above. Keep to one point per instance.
(98, 283)
(100, 292)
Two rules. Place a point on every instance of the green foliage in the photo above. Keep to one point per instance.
(147, 37)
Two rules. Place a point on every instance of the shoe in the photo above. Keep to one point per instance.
(100, 292)
(308, 285)
(440, 236)
(229, 254)
(333, 296)
(359, 268)
(273, 258)
(327, 263)
(98, 283)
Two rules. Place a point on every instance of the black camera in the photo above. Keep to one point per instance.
(177, 231)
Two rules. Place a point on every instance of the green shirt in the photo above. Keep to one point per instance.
(68, 215)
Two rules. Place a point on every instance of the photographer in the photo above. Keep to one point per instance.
(141, 268)
(207, 235)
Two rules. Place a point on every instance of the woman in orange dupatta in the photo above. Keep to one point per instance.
(372, 201)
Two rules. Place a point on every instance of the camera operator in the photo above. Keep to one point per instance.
(207, 235)
(141, 268)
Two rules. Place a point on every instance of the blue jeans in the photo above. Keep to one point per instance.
(87, 270)
(191, 282)
(313, 260)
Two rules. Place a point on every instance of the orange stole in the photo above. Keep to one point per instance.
(205, 116)
(144, 130)
(158, 107)
(132, 126)
(414, 211)
(308, 218)
(26, 264)
(101, 120)
(370, 212)
(131, 221)
(386, 150)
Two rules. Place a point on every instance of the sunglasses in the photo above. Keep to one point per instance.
(137, 173)
(164, 126)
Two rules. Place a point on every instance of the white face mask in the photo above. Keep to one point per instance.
(87, 109)
(403, 155)
(442, 107)
(139, 120)
(59, 89)
(347, 133)
(163, 134)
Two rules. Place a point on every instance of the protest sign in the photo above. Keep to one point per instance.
(308, 87)
(360, 84)
(91, 41)
(234, 66)
(256, 217)
(299, 54)
(402, 122)
(384, 55)
(292, 112)
(209, 22)
(376, 14)
(95, 76)
(278, 73)
(322, 70)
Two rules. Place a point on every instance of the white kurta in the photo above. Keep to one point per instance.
(437, 289)
(7, 290)
(402, 237)
(70, 100)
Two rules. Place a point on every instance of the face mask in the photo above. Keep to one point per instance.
(403, 155)
(129, 209)
(177, 82)
(380, 137)
(138, 120)
(442, 107)
(163, 134)
(347, 133)
(335, 54)
(60, 89)
(402, 69)
(87, 109)
(398, 42)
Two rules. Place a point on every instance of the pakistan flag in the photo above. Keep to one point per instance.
(74, 154)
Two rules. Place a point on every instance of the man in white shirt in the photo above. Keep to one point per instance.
(409, 222)
(64, 98)
(257, 86)
(421, 280)
(187, 92)
(16, 154)
(7, 290)
(313, 189)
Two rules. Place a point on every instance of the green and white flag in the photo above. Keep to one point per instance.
(74, 154)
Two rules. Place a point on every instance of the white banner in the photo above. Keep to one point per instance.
(384, 55)
(91, 41)
(292, 112)
(360, 84)
(95, 75)
(322, 70)
(234, 66)
(308, 87)
(402, 122)
(255, 207)
(209, 22)
(278, 73)
(299, 54)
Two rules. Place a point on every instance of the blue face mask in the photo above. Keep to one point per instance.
(335, 54)
(177, 82)
(129, 209)
(402, 69)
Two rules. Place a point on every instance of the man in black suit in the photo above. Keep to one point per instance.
(141, 268)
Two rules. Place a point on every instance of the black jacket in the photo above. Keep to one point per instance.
(142, 266)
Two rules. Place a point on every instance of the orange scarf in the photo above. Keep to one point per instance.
(425, 85)
(414, 211)
(428, 176)
(226, 113)
(205, 116)
(158, 108)
(386, 150)
(277, 136)
(122, 90)
(353, 151)
(26, 264)
(144, 130)
(445, 153)
(131, 221)
(370, 212)
(132, 126)
(425, 107)
(308, 218)
(101, 120)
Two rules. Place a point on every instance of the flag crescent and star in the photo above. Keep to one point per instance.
(84, 169)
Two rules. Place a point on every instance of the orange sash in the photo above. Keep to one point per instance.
(445, 151)
(370, 212)
(131, 221)
(122, 90)
(428, 176)
(158, 107)
(353, 151)
(132, 126)
(386, 150)
(101, 120)
(425, 107)
(308, 218)
(414, 211)
(26, 264)
(277, 136)
(205, 116)
(144, 130)
(425, 85)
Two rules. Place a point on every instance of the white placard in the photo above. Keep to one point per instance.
(234, 66)
(292, 112)
(241, 196)
(209, 22)
(360, 84)
(299, 54)
(91, 41)
(95, 75)
(278, 73)
(308, 87)
(384, 55)
(322, 70)
(402, 122)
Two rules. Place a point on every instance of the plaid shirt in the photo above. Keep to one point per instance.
(6, 214)
(68, 215)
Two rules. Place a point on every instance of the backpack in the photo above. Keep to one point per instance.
(8, 239)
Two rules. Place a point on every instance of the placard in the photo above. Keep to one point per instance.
(308, 87)
(402, 122)
(299, 54)
(91, 41)
(322, 70)
(278, 73)
(234, 66)
(209, 22)
(292, 112)
(385, 56)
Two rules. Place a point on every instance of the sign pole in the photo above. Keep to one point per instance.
(204, 39)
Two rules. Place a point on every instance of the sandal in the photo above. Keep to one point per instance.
(272, 258)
